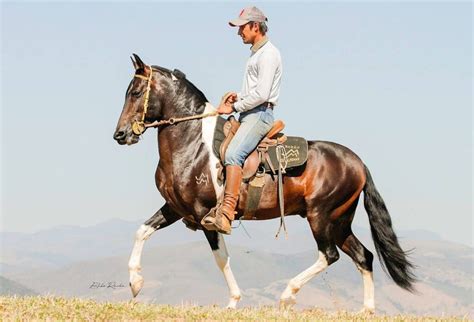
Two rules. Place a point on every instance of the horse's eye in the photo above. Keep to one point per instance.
(136, 93)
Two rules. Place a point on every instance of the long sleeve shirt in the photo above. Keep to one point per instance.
(262, 77)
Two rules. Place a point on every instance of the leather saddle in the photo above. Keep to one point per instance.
(265, 157)
(275, 154)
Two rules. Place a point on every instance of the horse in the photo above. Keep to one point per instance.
(325, 190)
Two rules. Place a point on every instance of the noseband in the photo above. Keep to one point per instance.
(138, 127)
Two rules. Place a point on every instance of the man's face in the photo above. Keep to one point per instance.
(248, 32)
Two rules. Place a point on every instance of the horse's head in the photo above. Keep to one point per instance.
(155, 94)
(144, 102)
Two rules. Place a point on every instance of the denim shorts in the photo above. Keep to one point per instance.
(254, 125)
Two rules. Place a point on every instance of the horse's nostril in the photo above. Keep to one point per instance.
(119, 135)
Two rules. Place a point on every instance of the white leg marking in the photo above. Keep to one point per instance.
(208, 126)
(223, 261)
(134, 268)
(288, 296)
(369, 298)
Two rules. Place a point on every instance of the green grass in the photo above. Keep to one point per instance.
(58, 308)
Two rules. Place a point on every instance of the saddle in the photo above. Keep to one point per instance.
(276, 154)
(273, 149)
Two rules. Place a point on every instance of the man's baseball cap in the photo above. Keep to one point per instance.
(248, 14)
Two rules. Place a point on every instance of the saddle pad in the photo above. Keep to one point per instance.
(295, 148)
(295, 151)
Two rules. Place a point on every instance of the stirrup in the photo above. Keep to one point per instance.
(208, 221)
(212, 221)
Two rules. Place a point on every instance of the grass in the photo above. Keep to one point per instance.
(59, 308)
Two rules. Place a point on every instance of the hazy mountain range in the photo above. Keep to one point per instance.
(178, 267)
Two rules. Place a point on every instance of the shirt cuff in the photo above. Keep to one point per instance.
(238, 107)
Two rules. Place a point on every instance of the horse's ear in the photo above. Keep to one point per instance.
(138, 62)
(135, 65)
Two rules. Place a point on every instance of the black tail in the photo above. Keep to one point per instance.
(392, 257)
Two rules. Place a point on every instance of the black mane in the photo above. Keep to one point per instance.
(180, 75)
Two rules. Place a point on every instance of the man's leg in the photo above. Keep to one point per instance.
(254, 126)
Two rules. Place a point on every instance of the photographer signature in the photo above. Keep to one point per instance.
(111, 285)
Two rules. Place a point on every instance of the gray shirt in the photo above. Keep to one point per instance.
(262, 77)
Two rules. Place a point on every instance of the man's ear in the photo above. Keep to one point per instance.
(255, 26)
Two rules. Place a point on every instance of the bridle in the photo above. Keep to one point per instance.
(138, 127)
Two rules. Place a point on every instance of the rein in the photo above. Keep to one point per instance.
(138, 127)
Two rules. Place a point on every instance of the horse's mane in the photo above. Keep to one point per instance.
(177, 73)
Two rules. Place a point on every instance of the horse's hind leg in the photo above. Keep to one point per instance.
(161, 219)
(217, 243)
(328, 254)
(363, 259)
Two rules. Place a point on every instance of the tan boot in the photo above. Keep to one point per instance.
(225, 213)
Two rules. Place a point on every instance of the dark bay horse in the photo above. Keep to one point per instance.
(325, 190)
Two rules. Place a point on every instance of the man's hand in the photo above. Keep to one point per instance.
(225, 106)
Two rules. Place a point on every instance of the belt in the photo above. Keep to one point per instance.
(269, 105)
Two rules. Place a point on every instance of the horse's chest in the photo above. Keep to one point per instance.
(189, 189)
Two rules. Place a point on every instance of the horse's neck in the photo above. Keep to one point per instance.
(181, 144)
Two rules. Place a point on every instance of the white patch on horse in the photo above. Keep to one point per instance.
(134, 266)
(296, 283)
(203, 178)
(208, 126)
(369, 298)
(223, 261)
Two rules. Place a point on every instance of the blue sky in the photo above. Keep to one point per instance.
(392, 81)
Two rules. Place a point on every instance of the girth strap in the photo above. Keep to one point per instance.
(281, 156)
(254, 195)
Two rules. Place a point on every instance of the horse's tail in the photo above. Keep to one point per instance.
(392, 257)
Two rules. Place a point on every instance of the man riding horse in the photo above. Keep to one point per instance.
(260, 92)
(324, 190)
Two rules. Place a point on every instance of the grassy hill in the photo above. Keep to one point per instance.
(187, 274)
(56, 308)
(178, 267)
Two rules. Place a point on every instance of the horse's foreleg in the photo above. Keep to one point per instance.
(222, 258)
(161, 219)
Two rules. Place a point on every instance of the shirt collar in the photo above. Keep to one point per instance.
(259, 44)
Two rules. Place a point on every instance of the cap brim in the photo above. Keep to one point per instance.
(238, 22)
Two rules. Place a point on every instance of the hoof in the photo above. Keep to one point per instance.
(233, 303)
(287, 302)
(366, 311)
(136, 284)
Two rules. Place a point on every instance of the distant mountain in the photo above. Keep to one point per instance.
(186, 273)
(63, 245)
(9, 287)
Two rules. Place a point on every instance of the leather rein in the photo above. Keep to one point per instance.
(138, 127)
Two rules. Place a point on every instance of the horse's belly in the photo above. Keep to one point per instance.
(269, 207)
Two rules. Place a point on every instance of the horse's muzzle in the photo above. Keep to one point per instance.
(120, 135)
(125, 137)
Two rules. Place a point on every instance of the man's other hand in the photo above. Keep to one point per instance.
(225, 106)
